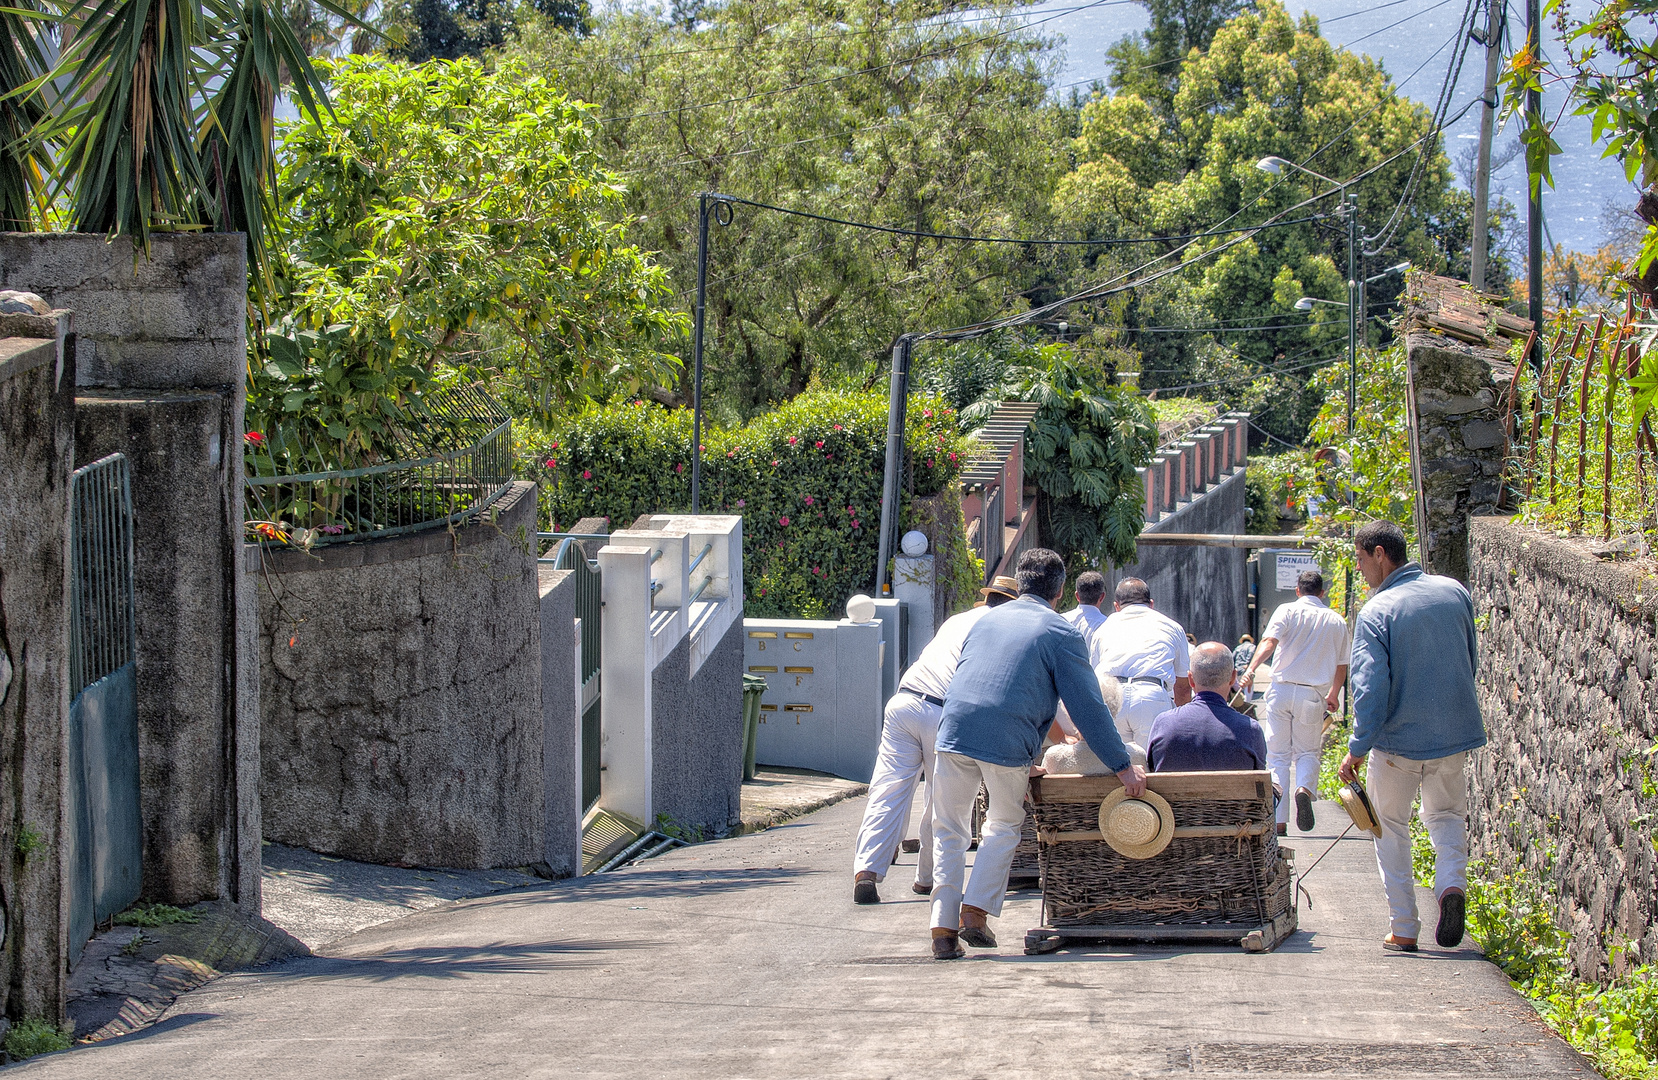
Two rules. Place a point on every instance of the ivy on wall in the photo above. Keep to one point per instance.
(806, 478)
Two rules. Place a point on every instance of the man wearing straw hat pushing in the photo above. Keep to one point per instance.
(1018, 662)
(1416, 714)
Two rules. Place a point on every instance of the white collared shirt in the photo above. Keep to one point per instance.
(1140, 642)
(1312, 642)
(936, 666)
(1087, 618)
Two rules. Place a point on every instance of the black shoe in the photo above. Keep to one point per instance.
(946, 947)
(1453, 910)
(909, 847)
(1304, 810)
(863, 892)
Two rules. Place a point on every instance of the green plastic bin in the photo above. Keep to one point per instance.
(754, 688)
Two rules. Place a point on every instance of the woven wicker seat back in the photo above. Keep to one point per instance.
(1222, 866)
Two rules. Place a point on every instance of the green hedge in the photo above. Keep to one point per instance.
(806, 478)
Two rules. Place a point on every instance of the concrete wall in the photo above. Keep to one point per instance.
(161, 357)
(36, 450)
(1568, 786)
(1206, 590)
(402, 714)
(697, 739)
(560, 723)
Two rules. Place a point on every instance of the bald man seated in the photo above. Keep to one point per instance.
(1206, 734)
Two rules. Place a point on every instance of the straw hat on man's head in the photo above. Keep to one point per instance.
(1136, 828)
(1002, 586)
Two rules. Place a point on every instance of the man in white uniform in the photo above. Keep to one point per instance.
(1087, 616)
(1311, 644)
(1148, 653)
(909, 732)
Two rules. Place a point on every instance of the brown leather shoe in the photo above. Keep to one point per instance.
(946, 946)
(974, 928)
(1393, 944)
(921, 890)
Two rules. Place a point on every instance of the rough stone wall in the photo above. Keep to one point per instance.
(697, 760)
(401, 705)
(1568, 786)
(1204, 589)
(1459, 445)
(36, 450)
(161, 357)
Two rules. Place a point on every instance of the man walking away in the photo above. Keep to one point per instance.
(909, 731)
(1206, 734)
(1416, 714)
(1087, 616)
(1018, 662)
(1311, 646)
(1148, 653)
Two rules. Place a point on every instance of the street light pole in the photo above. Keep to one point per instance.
(696, 354)
(1352, 308)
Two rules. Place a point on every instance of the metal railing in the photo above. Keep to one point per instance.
(102, 634)
(454, 464)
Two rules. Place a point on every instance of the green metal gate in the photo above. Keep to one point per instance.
(589, 608)
(105, 864)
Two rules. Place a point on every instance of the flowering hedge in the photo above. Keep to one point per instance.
(806, 478)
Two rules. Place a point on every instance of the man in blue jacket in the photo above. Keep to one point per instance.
(1416, 713)
(1018, 662)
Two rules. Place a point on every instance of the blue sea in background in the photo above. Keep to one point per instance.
(1413, 39)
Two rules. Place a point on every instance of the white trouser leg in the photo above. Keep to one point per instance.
(999, 835)
(1292, 717)
(1392, 782)
(955, 784)
(1445, 813)
(1142, 703)
(910, 728)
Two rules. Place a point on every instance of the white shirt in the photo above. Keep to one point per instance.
(1312, 642)
(936, 666)
(1087, 618)
(1141, 642)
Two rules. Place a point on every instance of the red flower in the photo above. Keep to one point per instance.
(552, 463)
(587, 474)
(818, 445)
(791, 440)
(783, 521)
(255, 438)
(774, 463)
(838, 427)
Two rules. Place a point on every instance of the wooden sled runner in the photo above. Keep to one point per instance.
(1223, 876)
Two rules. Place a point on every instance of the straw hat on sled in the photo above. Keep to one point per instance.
(1136, 828)
(1356, 801)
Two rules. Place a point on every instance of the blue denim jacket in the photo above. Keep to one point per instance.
(1019, 661)
(1412, 677)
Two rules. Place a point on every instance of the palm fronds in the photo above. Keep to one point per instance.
(23, 186)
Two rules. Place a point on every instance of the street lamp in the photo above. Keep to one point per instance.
(1276, 166)
(1306, 304)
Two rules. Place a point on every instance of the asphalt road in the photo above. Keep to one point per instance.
(746, 958)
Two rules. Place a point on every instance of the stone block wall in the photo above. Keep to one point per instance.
(401, 706)
(37, 386)
(1460, 446)
(1568, 786)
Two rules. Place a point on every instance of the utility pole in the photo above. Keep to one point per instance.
(897, 404)
(1352, 306)
(1482, 165)
(1534, 189)
(696, 353)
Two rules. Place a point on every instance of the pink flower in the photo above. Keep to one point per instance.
(855, 525)
(952, 455)
(929, 463)
(680, 467)
(552, 463)
(791, 440)
(555, 446)
(816, 570)
(780, 545)
(783, 521)
(810, 500)
(838, 427)
(731, 453)
(828, 457)
(741, 503)
(587, 474)
(927, 413)
(774, 463)
(818, 445)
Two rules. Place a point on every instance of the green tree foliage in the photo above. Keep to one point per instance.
(23, 169)
(422, 30)
(447, 217)
(806, 477)
(1156, 163)
(875, 110)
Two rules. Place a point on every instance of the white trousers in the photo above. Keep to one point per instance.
(909, 731)
(955, 790)
(1393, 782)
(1142, 703)
(1292, 717)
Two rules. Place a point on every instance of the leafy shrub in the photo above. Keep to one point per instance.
(806, 478)
(155, 915)
(36, 1036)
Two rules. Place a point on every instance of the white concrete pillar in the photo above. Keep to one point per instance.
(912, 582)
(625, 691)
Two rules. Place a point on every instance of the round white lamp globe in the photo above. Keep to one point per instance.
(860, 609)
(914, 543)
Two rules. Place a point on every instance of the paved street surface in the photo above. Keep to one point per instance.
(746, 958)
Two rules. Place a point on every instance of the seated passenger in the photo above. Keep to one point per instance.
(1071, 756)
(1206, 734)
